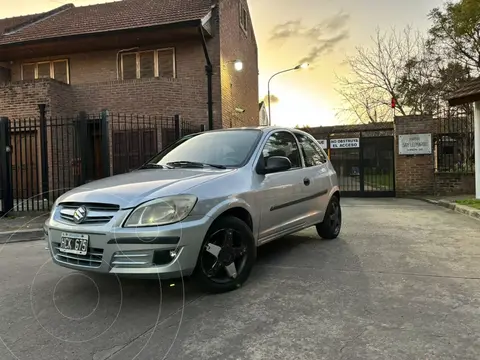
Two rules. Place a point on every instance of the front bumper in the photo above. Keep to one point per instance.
(169, 251)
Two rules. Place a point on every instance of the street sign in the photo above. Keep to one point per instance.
(345, 143)
(323, 143)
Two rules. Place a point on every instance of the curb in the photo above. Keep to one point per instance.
(461, 209)
(8, 237)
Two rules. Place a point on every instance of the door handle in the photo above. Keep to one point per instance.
(306, 181)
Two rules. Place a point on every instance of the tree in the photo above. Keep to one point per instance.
(455, 33)
(376, 75)
(363, 105)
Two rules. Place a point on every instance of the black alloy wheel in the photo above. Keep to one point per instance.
(332, 221)
(227, 255)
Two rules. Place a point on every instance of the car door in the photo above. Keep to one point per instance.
(317, 176)
(280, 192)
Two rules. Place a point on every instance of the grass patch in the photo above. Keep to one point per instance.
(474, 203)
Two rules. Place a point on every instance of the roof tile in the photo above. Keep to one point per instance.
(110, 16)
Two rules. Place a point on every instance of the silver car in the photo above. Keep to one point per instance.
(200, 207)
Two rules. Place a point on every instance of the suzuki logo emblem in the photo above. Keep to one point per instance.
(80, 214)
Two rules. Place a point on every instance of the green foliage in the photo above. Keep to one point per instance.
(419, 71)
(456, 32)
(474, 203)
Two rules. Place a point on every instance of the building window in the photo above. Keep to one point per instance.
(57, 69)
(243, 18)
(148, 64)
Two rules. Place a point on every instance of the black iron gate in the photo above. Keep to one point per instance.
(364, 163)
(42, 158)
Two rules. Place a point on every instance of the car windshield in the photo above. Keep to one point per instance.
(229, 148)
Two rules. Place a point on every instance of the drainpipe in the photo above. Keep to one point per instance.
(209, 72)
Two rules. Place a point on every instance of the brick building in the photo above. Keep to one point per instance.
(133, 56)
(146, 58)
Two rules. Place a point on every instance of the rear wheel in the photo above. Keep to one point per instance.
(332, 220)
(227, 255)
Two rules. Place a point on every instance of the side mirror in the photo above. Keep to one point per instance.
(276, 164)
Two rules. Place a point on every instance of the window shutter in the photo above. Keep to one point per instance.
(43, 70)
(60, 72)
(165, 63)
(129, 66)
(147, 64)
(28, 72)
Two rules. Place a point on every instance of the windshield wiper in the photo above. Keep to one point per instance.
(155, 166)
(194, 164)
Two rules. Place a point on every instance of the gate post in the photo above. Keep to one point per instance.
(362, 170)
(83, 141)
(177, 127)
(44, 150)
(6, 166)
(105, 144)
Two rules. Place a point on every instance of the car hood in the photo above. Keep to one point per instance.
(131, 189)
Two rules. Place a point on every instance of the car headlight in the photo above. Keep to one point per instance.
(162, 211)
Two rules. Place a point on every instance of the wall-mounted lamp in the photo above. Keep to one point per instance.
(238, 65)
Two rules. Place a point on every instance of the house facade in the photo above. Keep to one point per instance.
(138, 61)
(135, 57)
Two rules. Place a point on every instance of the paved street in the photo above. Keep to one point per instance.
(402, 282)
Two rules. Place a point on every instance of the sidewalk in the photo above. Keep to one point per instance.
(21, 228)
(449, 202)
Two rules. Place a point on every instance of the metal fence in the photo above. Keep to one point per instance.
(454, 141)
(363, 160)
(42, 158)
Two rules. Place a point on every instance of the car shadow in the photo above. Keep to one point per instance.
(82, 307)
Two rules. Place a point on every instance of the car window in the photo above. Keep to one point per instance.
(282, 144)
(228, 148)
(312, 153)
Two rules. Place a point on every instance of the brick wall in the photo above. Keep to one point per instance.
(454, 184)
(93, 78)
(20, 100)
(165, 97)
(239, 89)
(101, 66)
(414, 175)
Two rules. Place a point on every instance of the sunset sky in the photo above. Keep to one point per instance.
(322, 31)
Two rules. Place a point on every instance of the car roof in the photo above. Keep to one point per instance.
(261, 128)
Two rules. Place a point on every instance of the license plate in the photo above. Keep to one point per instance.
(74, 244)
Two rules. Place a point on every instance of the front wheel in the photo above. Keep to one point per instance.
(332, 221)
(227, 255)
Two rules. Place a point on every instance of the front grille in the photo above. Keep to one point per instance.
(93, 258)
(96, 213)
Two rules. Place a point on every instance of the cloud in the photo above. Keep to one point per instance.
(337, 22)
(295, 28)
(323, 47)
(273, 98)
(325, 35)
(286, 30)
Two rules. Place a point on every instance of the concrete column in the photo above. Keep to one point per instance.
(477, 148)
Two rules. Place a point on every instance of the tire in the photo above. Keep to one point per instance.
(242, 233)
(329, 229)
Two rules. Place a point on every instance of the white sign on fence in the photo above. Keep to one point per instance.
(323, 143)
(344, 143)
(415, 144)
